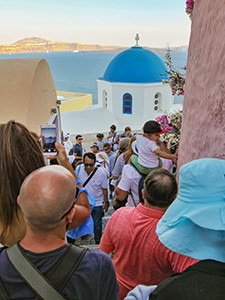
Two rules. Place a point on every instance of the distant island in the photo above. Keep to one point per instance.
(36, 44)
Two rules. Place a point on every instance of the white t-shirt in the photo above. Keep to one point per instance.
(129, 181)
(98, 182)
(146, 155)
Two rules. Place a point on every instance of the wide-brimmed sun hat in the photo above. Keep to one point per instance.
(194, 224)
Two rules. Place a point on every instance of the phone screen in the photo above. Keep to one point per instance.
(48, 138)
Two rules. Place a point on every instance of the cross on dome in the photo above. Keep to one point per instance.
(137, 38)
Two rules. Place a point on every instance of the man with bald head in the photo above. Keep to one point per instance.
(47, 200)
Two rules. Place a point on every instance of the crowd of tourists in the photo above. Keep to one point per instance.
(167, 242)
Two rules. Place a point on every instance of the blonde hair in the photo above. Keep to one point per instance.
(127, 155)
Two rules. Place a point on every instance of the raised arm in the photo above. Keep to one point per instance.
(166, 155)
(82, 206)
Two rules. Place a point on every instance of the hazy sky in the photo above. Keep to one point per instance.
(105, 22)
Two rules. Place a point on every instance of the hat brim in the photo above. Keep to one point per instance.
(194, 232)
(162, 131)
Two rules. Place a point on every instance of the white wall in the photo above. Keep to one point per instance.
(143, 97)
(165, 100)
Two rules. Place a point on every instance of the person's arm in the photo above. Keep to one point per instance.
(166, 155)
(105, 160)
(63, 159)
(115, 141)
(82, 211)
(163, 147)
(121, 194)
(75, 153)
(82, 206)
(76, 156)
(106, 201)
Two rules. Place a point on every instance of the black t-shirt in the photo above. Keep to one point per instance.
(78, 150)
(202, 281)
(94, 278)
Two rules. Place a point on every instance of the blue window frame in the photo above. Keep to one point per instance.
(127, 104)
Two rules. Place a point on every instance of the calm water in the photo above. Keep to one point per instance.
(77, 72)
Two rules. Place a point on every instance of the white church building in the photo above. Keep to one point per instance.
(129, 93)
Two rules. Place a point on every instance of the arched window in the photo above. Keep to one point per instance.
(104, 99)
(157, 102)
(127, 104)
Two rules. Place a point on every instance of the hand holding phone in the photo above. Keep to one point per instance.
(48, 139)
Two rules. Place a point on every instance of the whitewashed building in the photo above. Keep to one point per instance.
(129, 93)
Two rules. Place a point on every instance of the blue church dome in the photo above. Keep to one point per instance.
(135, 65)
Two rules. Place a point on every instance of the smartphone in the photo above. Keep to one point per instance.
(48, 139)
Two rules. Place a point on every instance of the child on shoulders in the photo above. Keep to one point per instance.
(150, 149)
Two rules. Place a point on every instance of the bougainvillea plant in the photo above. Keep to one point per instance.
(189, 7)
(175, 79)
(172, 123)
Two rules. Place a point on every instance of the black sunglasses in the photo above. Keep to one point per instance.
(68, 211)
(90, 165)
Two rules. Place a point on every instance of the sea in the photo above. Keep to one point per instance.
(78, 71)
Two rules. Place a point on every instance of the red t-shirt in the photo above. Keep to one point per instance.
(140, 258)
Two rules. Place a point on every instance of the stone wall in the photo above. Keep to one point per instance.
(203, 128)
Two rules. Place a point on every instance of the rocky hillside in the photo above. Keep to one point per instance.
(36, 44)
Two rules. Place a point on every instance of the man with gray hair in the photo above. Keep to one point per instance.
(139, 256)
(47, 200)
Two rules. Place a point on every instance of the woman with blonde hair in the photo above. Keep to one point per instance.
(20, 155)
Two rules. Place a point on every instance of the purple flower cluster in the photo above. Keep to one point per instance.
(164, 123)
(177, 84)
(189, 7)
(171, 122)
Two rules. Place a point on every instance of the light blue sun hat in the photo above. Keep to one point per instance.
(194, 224)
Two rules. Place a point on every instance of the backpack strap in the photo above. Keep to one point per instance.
(90, 176)
(62, 271)
(35, 279)
(3, 294)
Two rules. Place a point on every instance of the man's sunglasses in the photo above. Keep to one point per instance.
(90, 165)
(68, 211)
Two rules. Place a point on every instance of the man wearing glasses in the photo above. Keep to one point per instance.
(96, 187)
(78, 149)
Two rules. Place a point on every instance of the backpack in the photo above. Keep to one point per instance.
(51, 285)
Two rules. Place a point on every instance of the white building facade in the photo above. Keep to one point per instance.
(132, 87)
(130, 93)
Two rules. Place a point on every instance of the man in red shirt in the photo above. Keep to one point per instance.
(139, 256)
